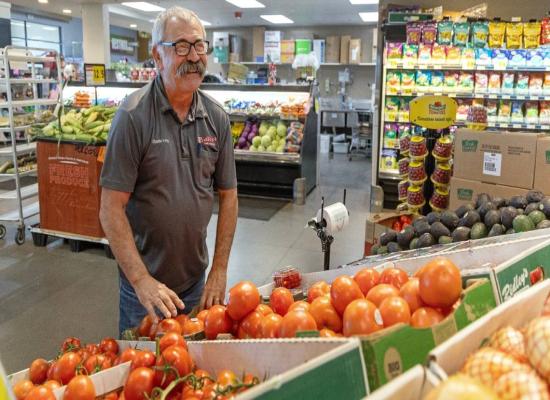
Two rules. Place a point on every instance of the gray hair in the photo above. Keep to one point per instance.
(178, 12)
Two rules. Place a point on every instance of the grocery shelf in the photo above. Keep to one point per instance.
(278, 158)
(517, 125)
(15, 128)
(468, 95)
(32, 102)
(24, 173)
(258, 116)
(401, 66)
(26, 192)
(392, 175)
(24, 81)
(28, 211)
(21, 149)
(31, 59)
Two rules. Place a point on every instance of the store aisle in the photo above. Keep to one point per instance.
(49, 293)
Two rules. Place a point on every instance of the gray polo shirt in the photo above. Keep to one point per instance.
(170, 168)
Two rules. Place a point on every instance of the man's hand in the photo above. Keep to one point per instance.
(151, 293)
(214, 289)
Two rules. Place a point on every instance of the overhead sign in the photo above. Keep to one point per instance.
(94, 74)
(433, 112)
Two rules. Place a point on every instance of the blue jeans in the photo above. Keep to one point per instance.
(131, 312)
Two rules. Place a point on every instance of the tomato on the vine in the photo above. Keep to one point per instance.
(140, 384)
(40, 393)
(65, 367)
(52, 385)
(174, 358)
(70, 344)
(143, 358)
(96, 363)
(169, 339)
(226, 377)
(127, 355)
(91, 349)
(108, 345)
(145, 326)
(22, 388)
(38, 371)
(80, 387)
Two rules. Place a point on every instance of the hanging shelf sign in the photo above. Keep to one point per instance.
(433, 112)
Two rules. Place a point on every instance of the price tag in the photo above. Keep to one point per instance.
(94, 74)
(101, 154)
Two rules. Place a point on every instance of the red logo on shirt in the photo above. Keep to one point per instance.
(207, 140)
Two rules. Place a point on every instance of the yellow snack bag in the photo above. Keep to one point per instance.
(514, 30)
(531, 35)
(496, 34)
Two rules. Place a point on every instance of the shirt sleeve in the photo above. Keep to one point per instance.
(225, 176)
(122, 156)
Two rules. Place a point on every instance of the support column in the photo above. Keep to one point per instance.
(95, 34)
(5, 25)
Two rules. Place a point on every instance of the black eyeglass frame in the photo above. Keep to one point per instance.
(174, 44)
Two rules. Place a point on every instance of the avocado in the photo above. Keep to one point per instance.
(438, 229)
(520, 211)
(461, 234)
(445, 240)
(479, 231)
(532, 207)
(463, 209)
(422, 228)
(426, 240)
(374, 249)
(469, 219)
(510, 231)
(482, 198)
(546, 207)
(405, 236)
(449, 219)
(507, 215)
(534, 196)
(498, 202)
(537, 217)
(414, 244)
(387, 237)
(382, 250)
(485, 208)
(497, 230)
(434, 216)
(394, 247)
(491, 218)
(419, 220)
(543, 224)
(518, 201)
(522, 223)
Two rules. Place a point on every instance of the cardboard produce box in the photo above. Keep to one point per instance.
(344, 49)
(542, 166)
(506, 158)
(258, 40)
(332, 54)
(412, 385)
(377, 224)
(463, 191)
(354, 51)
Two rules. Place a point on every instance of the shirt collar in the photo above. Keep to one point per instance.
(196, 110)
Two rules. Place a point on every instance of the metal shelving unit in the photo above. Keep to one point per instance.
(20, 55)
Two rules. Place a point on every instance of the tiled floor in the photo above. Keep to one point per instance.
(49, 293)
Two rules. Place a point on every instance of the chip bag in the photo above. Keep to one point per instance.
(461, 33)
(480, 33)
(514, 30)
(445, 32)
(531, 35)
(545, 34)
(414, 33)
(429, 32)
(496, 34)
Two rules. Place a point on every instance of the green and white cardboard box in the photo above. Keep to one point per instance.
(414, 384)
(450, 356)
(295, 368)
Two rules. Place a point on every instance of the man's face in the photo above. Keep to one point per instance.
(188, 70)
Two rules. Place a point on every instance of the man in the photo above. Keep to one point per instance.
(169, 145)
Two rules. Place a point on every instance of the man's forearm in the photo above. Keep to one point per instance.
(227, 221)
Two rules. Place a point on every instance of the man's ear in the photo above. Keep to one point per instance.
(157, 58)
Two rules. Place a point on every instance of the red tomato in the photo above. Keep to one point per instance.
(202, 315)
(396, 226)
(380, 292)
(394, 276)
(173, 358)
(244, 297)
(92, 348)
(264, 309)
(405, 219)
(360, 318)
(280, 300)
(96, 363)
(325, 315)
(70, 344)
(145, 326)
(65, 367)
(409, 292)
(250, 326)
(143, 358)
(296, 321)
(140, 384)
(38, 371)
(426, 317)
(440, 284)
(169, 325)
(52, 385)
(22, 388)
(269, 326)
(343, 291)
(182, 319)
(169, 339)
(320, 288)
(127, 355)
(40, 393)
(299, 305)
(194, 325)
(367, 278)
(226, 377)
(109, 345)
(395, 310)
(51, 370)
(217, 321)
(80, 387)
(111, 396)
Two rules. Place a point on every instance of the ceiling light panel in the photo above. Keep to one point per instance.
(277, 19)
(246, 3)
(143, 6)
(354, 2)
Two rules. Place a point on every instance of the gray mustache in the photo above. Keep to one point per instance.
(191, 67)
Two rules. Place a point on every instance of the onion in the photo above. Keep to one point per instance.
(488, 364)
(461, 387)
(511, 341)
(521, 385)
(537, 341)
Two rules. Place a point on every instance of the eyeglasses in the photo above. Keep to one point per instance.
(183, 47)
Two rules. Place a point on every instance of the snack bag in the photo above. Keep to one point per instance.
(439, 55)
(445, 32)
(438, 77)
(531, 35)
(424, 54)
(514, 32)
(517, 112)
(461, 34)
(504, 111)
(393, 82)
(390, 136)
(410, 54)
(484, 57)
(403, 115)
(544, 112)
(536, 82)
(408, 82)
(454, 55)
(508, 82)
(463, 105)
(494, 82)
(500, 58)
(535, 58)
(482, 82)
(423, 80)
(394, 51)
(546, 84)
(480, 33)
(532, 112)
(466, 82)
(492, 110)
(522, 83)
(496, 34)
(451, 81)
(546, 55)
(545, 34)
(388, 160)
(404, 130)
(414, 33)
(429, 32)
(392, 108)
(517, 58)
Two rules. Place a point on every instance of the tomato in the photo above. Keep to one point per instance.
(327, 333)
(111, 396)
(22, 388)
(367, 278)
(320, 288)
(325, 315)
(108, 345)
(343, 291)
(40, 393)
(202, 315)
(38, 371)
(128, 355)
(250, 326)
(171, 338)
(405, 219)
(143, 358)
(96, 363)
(396, 226)
(91, 349)
(169, 325)
(280, 300)
(227, 377)
(145, 326)
(217, 321)
(70, 344)
(182, 319)
(51, 370)
(269, 326)
(244, 297)
(174, 358)
(193, 326)
(360, 318)
(409, 292)
(80, 387)
(52, 385)
(264, 309)
(380, 292)
(394, 310)
(440, 284)
(425, 317)
(394, 276)
(65, 367)
(140, 384)
(296, 321)
(300, 304)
